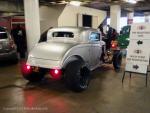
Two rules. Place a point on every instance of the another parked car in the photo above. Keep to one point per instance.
(69, 53)
(8, 50)
(123, 38)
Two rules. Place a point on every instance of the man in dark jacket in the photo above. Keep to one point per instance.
(109, 37)
(19, 36)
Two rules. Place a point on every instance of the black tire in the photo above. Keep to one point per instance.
(77, 76)
(117, 60)
(35, 76)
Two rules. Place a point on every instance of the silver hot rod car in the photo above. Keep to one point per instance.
(69, 53)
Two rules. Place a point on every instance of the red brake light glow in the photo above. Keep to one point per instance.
(113, 45)
(56, 73)
(26, 69)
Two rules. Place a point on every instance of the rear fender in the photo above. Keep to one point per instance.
(71, 59)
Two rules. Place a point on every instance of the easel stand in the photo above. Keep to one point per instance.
(130, 73)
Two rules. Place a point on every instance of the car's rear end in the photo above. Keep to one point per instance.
(48, 56)
(7, 46)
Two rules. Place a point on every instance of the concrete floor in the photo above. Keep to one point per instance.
(106, 94)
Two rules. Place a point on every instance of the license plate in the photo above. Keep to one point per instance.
(35, 69)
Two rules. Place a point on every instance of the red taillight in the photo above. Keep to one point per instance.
(56, 73)
(26, 69)
(113, 46)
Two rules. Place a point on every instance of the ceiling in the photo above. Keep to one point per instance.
(140, 6)
(16, 6)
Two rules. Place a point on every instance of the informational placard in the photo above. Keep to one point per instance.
(138, 52)
(142, 43)
(137, 68)
(140, 31)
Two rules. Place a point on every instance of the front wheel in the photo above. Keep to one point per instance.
(77, 76)
(117, 60)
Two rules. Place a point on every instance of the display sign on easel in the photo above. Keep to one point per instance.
(140, 31)
(138, 52)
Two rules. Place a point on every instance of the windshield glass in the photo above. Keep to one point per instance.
(63, 34)
(3, 34)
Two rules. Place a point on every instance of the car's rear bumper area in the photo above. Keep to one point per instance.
(8, 56)
(44, 63)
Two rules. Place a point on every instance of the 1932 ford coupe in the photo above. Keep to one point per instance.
(69, 53)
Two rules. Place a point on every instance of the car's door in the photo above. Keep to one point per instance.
(95, 51)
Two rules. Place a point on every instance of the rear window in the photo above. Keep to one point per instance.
(3, 35)
(63, 34)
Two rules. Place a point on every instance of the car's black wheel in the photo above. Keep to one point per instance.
(77, 76)
(117, 60)
(35, 76)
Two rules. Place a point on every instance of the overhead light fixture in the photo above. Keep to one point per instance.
(75, 3)
(53, 2)
(62, 2)
(131, 1)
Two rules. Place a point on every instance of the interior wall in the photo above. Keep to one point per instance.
(49, 16)
(61, 15)
(15, 20)
(69, 16)
(6, 22)
(11, 6)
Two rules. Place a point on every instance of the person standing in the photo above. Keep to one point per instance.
(101, 30)
(109, 37)
(19, 36)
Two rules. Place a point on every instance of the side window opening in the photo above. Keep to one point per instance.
(63, 34)
(94, 36)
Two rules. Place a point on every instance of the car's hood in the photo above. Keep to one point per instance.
(50, 50)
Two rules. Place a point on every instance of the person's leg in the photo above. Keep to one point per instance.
(22, 54)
